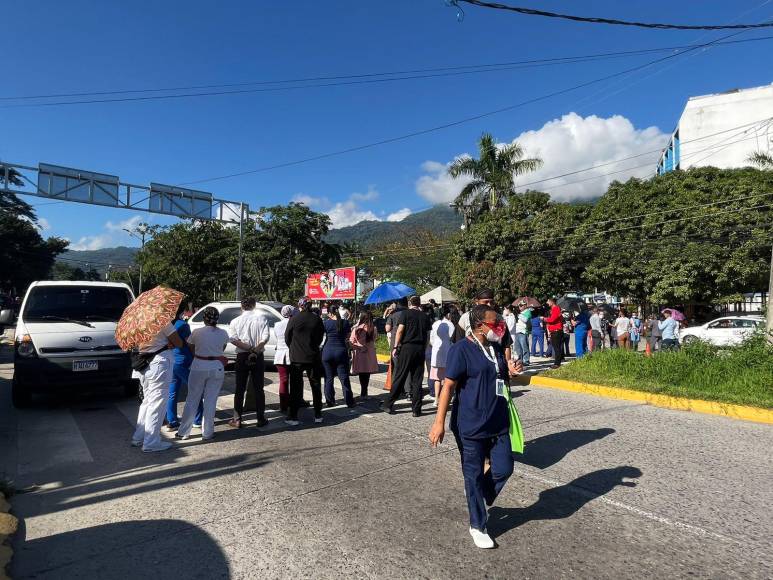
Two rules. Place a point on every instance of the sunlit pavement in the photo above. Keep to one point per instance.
(606, 489)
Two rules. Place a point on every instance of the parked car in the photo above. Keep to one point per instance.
(230, 310)
(7, 314)
(725, 331)
(65, 337)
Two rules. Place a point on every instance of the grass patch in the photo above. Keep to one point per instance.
(382, 345)
(742, 375)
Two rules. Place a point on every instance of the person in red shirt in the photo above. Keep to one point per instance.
(555, 324)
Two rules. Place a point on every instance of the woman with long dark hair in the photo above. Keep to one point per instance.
(335, 356)
(363, 342)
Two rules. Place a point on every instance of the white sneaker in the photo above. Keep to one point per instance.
(481, 539)
(292, 422)
(136, 443)
(163, 446)
(318, 419)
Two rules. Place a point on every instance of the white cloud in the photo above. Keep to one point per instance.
(44, 225)
(349, 212)
(128, 224)
(399, 215)
(566, 145)
(114, 235)
(93, 243)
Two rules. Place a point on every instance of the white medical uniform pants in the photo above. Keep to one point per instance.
(206, 384)
(155, 388)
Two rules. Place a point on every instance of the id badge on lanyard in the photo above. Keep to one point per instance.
(501, 388)
(491, 355)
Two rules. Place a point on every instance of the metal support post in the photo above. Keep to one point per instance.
(241, 244)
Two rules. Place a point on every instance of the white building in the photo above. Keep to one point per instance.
(721, 130)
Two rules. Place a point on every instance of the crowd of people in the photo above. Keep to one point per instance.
(468, 355)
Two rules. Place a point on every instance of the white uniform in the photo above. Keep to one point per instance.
(155, 388)
(206, 379)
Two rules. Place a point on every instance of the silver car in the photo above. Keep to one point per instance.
(230, 310)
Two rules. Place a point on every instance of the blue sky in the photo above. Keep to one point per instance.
(85, 46)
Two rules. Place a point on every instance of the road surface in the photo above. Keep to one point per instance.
(606, 489)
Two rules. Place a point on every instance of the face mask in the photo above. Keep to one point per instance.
(492, 336)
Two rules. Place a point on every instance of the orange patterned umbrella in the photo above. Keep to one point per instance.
(146, 316)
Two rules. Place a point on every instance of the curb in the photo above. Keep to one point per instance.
(8, 526)
(383, 358)
(741, 412)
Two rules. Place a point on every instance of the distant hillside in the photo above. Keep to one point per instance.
(121, 256)
(441, 219)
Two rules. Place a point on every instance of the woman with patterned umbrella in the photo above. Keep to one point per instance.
(146, 327)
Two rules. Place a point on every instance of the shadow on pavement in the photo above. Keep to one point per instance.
(564, 501)
(550, 449)
(134, 549)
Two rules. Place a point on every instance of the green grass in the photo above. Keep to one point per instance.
(382, 345)
(742, 375)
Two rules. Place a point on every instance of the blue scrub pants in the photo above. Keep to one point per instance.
(336, 362)
(522, 347)
(482, 489)
(538, 339)
(179, 381)
(580, 341)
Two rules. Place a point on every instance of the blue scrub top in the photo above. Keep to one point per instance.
(583, 321)
(536, 324)
(478, 412)
(183, 356)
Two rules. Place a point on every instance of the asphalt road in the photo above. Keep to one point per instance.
(606, 489)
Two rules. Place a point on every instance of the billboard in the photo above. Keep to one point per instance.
(339, 284)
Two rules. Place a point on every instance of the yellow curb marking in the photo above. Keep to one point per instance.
(742, 412)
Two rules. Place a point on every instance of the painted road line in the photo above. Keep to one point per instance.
(741, 412)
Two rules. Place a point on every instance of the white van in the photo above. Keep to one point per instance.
(65, 337)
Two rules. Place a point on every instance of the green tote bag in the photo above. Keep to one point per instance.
(516, 431)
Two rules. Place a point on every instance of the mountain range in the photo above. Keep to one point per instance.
(441, 220)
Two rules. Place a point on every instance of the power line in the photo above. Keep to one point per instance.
(601, 223)
(361, 78)
(445, 125)
(597, 20)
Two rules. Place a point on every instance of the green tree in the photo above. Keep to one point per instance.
(761, 160)
(513, 249)
(492, 175)
(638, 243)
(282, 246)
(195, 257)
(24, 255)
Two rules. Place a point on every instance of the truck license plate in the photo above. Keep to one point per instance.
(85, 365)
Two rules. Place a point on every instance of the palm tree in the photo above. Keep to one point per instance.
(761, 160)
(493, 175)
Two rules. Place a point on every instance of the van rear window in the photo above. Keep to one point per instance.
(62, 303)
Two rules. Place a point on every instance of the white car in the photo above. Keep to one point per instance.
(65, 338)
(725, 331)
(230, 310)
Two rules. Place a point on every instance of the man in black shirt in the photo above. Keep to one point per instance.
(303, 336)
(411, 339)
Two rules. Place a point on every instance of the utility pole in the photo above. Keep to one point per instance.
(769, 326)
(139, 232)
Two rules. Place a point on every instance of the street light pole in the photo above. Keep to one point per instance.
(241, 243)
(142, 230)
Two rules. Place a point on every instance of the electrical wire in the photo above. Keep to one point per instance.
(601, 223)
(597, 20)
(443, 126)
(400, 75)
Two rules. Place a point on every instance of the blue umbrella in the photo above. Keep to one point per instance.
(389, 291)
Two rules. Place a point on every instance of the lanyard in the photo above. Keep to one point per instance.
(489, 354)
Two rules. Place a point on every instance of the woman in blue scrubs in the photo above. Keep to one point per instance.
(476, 371)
